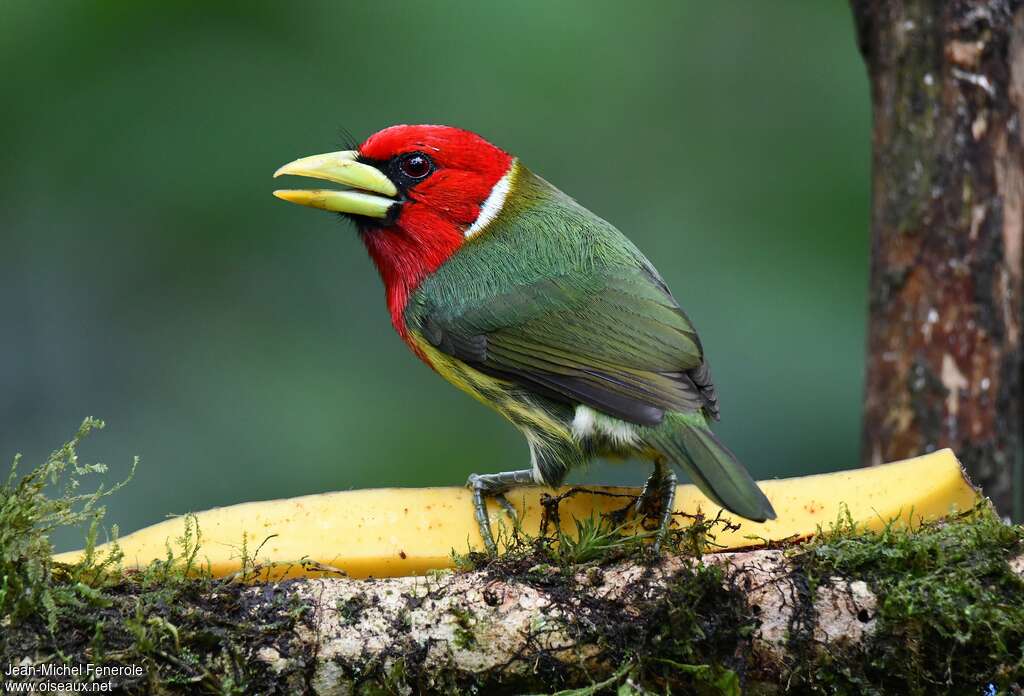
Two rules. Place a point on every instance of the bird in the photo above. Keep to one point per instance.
(537, 307)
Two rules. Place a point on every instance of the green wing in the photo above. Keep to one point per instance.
(607, 336)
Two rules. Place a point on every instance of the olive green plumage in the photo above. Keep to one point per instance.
(554, 318)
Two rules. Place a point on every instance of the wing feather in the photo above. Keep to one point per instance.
(616, 343)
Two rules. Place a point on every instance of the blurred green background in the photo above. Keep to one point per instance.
(241, 346)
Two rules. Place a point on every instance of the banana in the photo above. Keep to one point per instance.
(407, 531)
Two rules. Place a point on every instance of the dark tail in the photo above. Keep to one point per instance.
(711, 466)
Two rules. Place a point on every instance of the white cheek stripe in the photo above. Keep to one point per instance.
(494, 203)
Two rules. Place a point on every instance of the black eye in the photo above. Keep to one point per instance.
(415, 165)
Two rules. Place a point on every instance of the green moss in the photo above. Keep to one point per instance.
(28, 515)
(695, 634)
(351, 608)
(465, 639)
(950, 610)
(188, 632)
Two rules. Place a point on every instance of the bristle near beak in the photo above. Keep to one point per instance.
(345, 169)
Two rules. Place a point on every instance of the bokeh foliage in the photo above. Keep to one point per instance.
(241, 346)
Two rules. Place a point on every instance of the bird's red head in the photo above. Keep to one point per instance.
(437, 180)
(443, 175)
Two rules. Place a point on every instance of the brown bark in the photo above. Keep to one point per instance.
(944, 346)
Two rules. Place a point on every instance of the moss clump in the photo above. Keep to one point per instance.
(950, 609)
(186, 632)
(28, 515)
(697, 635)
(351, 609)
(465, 639)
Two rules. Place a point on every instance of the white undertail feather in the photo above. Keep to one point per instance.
(588, 422)
(534, 441)
(493, 204)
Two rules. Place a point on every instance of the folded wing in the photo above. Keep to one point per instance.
(612, 338)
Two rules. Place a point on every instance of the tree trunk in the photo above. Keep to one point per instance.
(944, 344)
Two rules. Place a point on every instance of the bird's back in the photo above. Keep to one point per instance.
(540, 234)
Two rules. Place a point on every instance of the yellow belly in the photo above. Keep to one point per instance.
(507, 398)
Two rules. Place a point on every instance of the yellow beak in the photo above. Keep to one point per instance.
(341, 168)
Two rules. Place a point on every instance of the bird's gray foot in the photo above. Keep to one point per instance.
(494, 486)
(656, 499)
(645, 504)
(668, 499)
(649, 497)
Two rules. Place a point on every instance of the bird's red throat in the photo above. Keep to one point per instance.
(405, 256)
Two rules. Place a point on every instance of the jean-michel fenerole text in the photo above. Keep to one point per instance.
(87, 670)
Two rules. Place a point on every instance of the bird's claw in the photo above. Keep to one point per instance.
(619, 516)
(494, 486)
(667, 498)
(510, 510)
(643, 505)
(476, 484)
(655, 501)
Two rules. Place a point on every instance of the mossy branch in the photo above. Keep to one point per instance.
(938, 609)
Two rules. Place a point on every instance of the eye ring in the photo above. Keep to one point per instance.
(415, 165)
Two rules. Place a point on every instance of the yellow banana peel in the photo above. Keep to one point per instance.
(407, 531)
